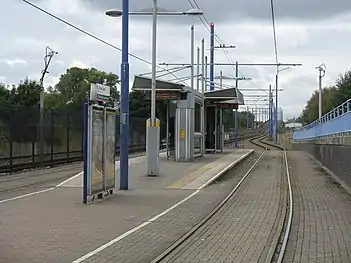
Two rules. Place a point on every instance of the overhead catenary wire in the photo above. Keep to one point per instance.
(206, 23)
(92, 35)
(274, 35)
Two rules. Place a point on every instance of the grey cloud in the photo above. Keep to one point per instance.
(224, 10)
(19, 71)
(73, 46)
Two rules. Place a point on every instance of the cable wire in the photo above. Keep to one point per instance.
(274, 35)
(206, 23)
(91, 35)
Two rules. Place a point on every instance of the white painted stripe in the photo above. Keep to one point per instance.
(43, 191)
(133, 230)
(133, 160)
(26, 195)
(69, 179)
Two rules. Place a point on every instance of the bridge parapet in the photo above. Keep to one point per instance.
(334, 124)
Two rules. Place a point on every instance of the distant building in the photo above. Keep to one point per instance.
(293, 125)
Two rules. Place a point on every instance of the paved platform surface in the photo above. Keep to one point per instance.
(26, 182)
(197, 174)
(321, 226)
(244, 229)
(53, 226)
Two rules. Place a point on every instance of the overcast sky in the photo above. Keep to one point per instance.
(308, 32)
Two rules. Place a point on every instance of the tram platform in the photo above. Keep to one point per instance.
(52, 225)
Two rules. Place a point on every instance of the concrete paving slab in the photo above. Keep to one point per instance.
(77, 180)
(211, 171)
(54, 226)
(241, 230)
(321, 223)
(148, 242)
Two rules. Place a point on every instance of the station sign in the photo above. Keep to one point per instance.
(166, 95)
(99, 92)
(222, 105)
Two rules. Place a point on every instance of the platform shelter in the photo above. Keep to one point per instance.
(185, 125)
(215, 102)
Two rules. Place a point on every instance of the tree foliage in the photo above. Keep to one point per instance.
(26, 93)
(244, 118)
(74, 86)
(332, 97)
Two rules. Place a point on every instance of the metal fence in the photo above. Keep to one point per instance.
(62, 137)
(19, 138)
(336, 121)
(336, 158)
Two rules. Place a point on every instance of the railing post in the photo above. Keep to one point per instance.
(348, 106)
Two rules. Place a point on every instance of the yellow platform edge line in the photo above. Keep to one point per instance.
(186, 178)
(193, 175)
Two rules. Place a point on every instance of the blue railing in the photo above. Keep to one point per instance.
(336, 121)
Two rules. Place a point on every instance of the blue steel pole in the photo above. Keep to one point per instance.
(85, 152)
(236, 110)
(124, 108)
(212, 56)
(276, 110)
(270, 114)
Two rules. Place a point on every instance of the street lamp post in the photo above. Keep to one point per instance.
(49, 53)
(124, 101)
(321, 68)
(152, 130)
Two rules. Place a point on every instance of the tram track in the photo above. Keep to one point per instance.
(282, 223)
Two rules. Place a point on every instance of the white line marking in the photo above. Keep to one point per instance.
(132, 160)
(26, 195)
(131, 231)
(69, 179)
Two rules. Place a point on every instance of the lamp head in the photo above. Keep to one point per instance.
(114, 13)
(194, 12)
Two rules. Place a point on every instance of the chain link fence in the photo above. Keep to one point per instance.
(62, 137)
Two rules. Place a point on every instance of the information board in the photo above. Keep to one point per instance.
(97, 148)
(101, 143)
(166, 95)
(110, 148)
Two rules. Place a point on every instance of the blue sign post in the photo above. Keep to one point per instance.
(124, 105)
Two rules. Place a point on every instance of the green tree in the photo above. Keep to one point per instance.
(27, 93)
(330, 101)
(228, 118)
(343, 86)
(332, 97)
(139, 104)
(74, 86)
(4, 94)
